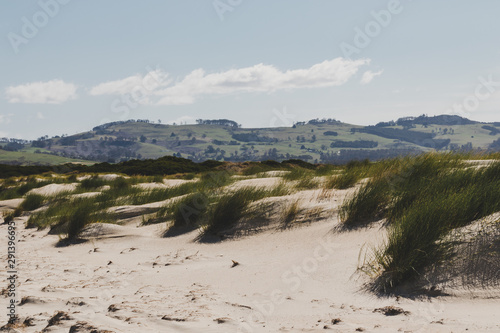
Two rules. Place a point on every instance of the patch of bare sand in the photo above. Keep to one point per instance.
(10, 204)
(255, 182)
(53, 189)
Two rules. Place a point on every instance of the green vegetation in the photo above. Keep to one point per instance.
(92, 183)
(343, 181)
(366, 205)
(315, 141)
(289, 213)
(424, 199)
(32, 202)
(229, 209)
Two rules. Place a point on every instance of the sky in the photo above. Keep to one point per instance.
(68, 65)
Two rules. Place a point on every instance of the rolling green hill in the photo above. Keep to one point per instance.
(28, 156)
(317, 140)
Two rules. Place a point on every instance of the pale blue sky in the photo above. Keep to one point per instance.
(263, 57)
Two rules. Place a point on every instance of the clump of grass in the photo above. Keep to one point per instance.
(156, 195)
(214, 180)
(15, 213)
(289, 213)
(32, 202)
(78, 219)
(61, 209)
(366, 205)
(190, 210)
(326, 170)
(298, 173)
(394, 186)
(342, 181)
(186, 213)
(279, 190)
(92, 183)
(224, 214)
(255, 169)
(304, 178)
(21, 187)
(188, 176)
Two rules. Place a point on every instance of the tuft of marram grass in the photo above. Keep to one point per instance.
(229, 209)
(289, 213)
(342, 181)
(33, 201)
(187, 212)
(92, 183)
(367, 204)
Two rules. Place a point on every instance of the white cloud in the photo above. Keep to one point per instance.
(258, 78)
(5, 118)
(40, 115)
(50, 92)
(139, 86)
(368, 76)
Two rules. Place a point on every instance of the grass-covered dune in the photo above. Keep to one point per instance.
(426, 201)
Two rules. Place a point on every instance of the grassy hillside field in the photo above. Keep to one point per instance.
(316, 141)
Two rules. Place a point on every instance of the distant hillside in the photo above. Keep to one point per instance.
(318, 140)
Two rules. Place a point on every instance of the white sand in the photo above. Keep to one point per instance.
(53, 189)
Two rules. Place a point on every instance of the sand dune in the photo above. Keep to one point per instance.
(128, 278)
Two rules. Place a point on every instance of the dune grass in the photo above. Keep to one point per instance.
(289, 213)
(33, 201)
(69, 216)
(304, 179)
(186, 213)
(423, 198)
(342, 181)
(12, 191)
(366, 205)
(92, 183)
(228, 210)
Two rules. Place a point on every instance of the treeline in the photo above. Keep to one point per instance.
(252, 137)
(354, 144)
(418, 138)
(220, 122)
(495, 145)
(493, 130)
(347, 155)
(167, 165)
(101, 128)
(441, 120)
